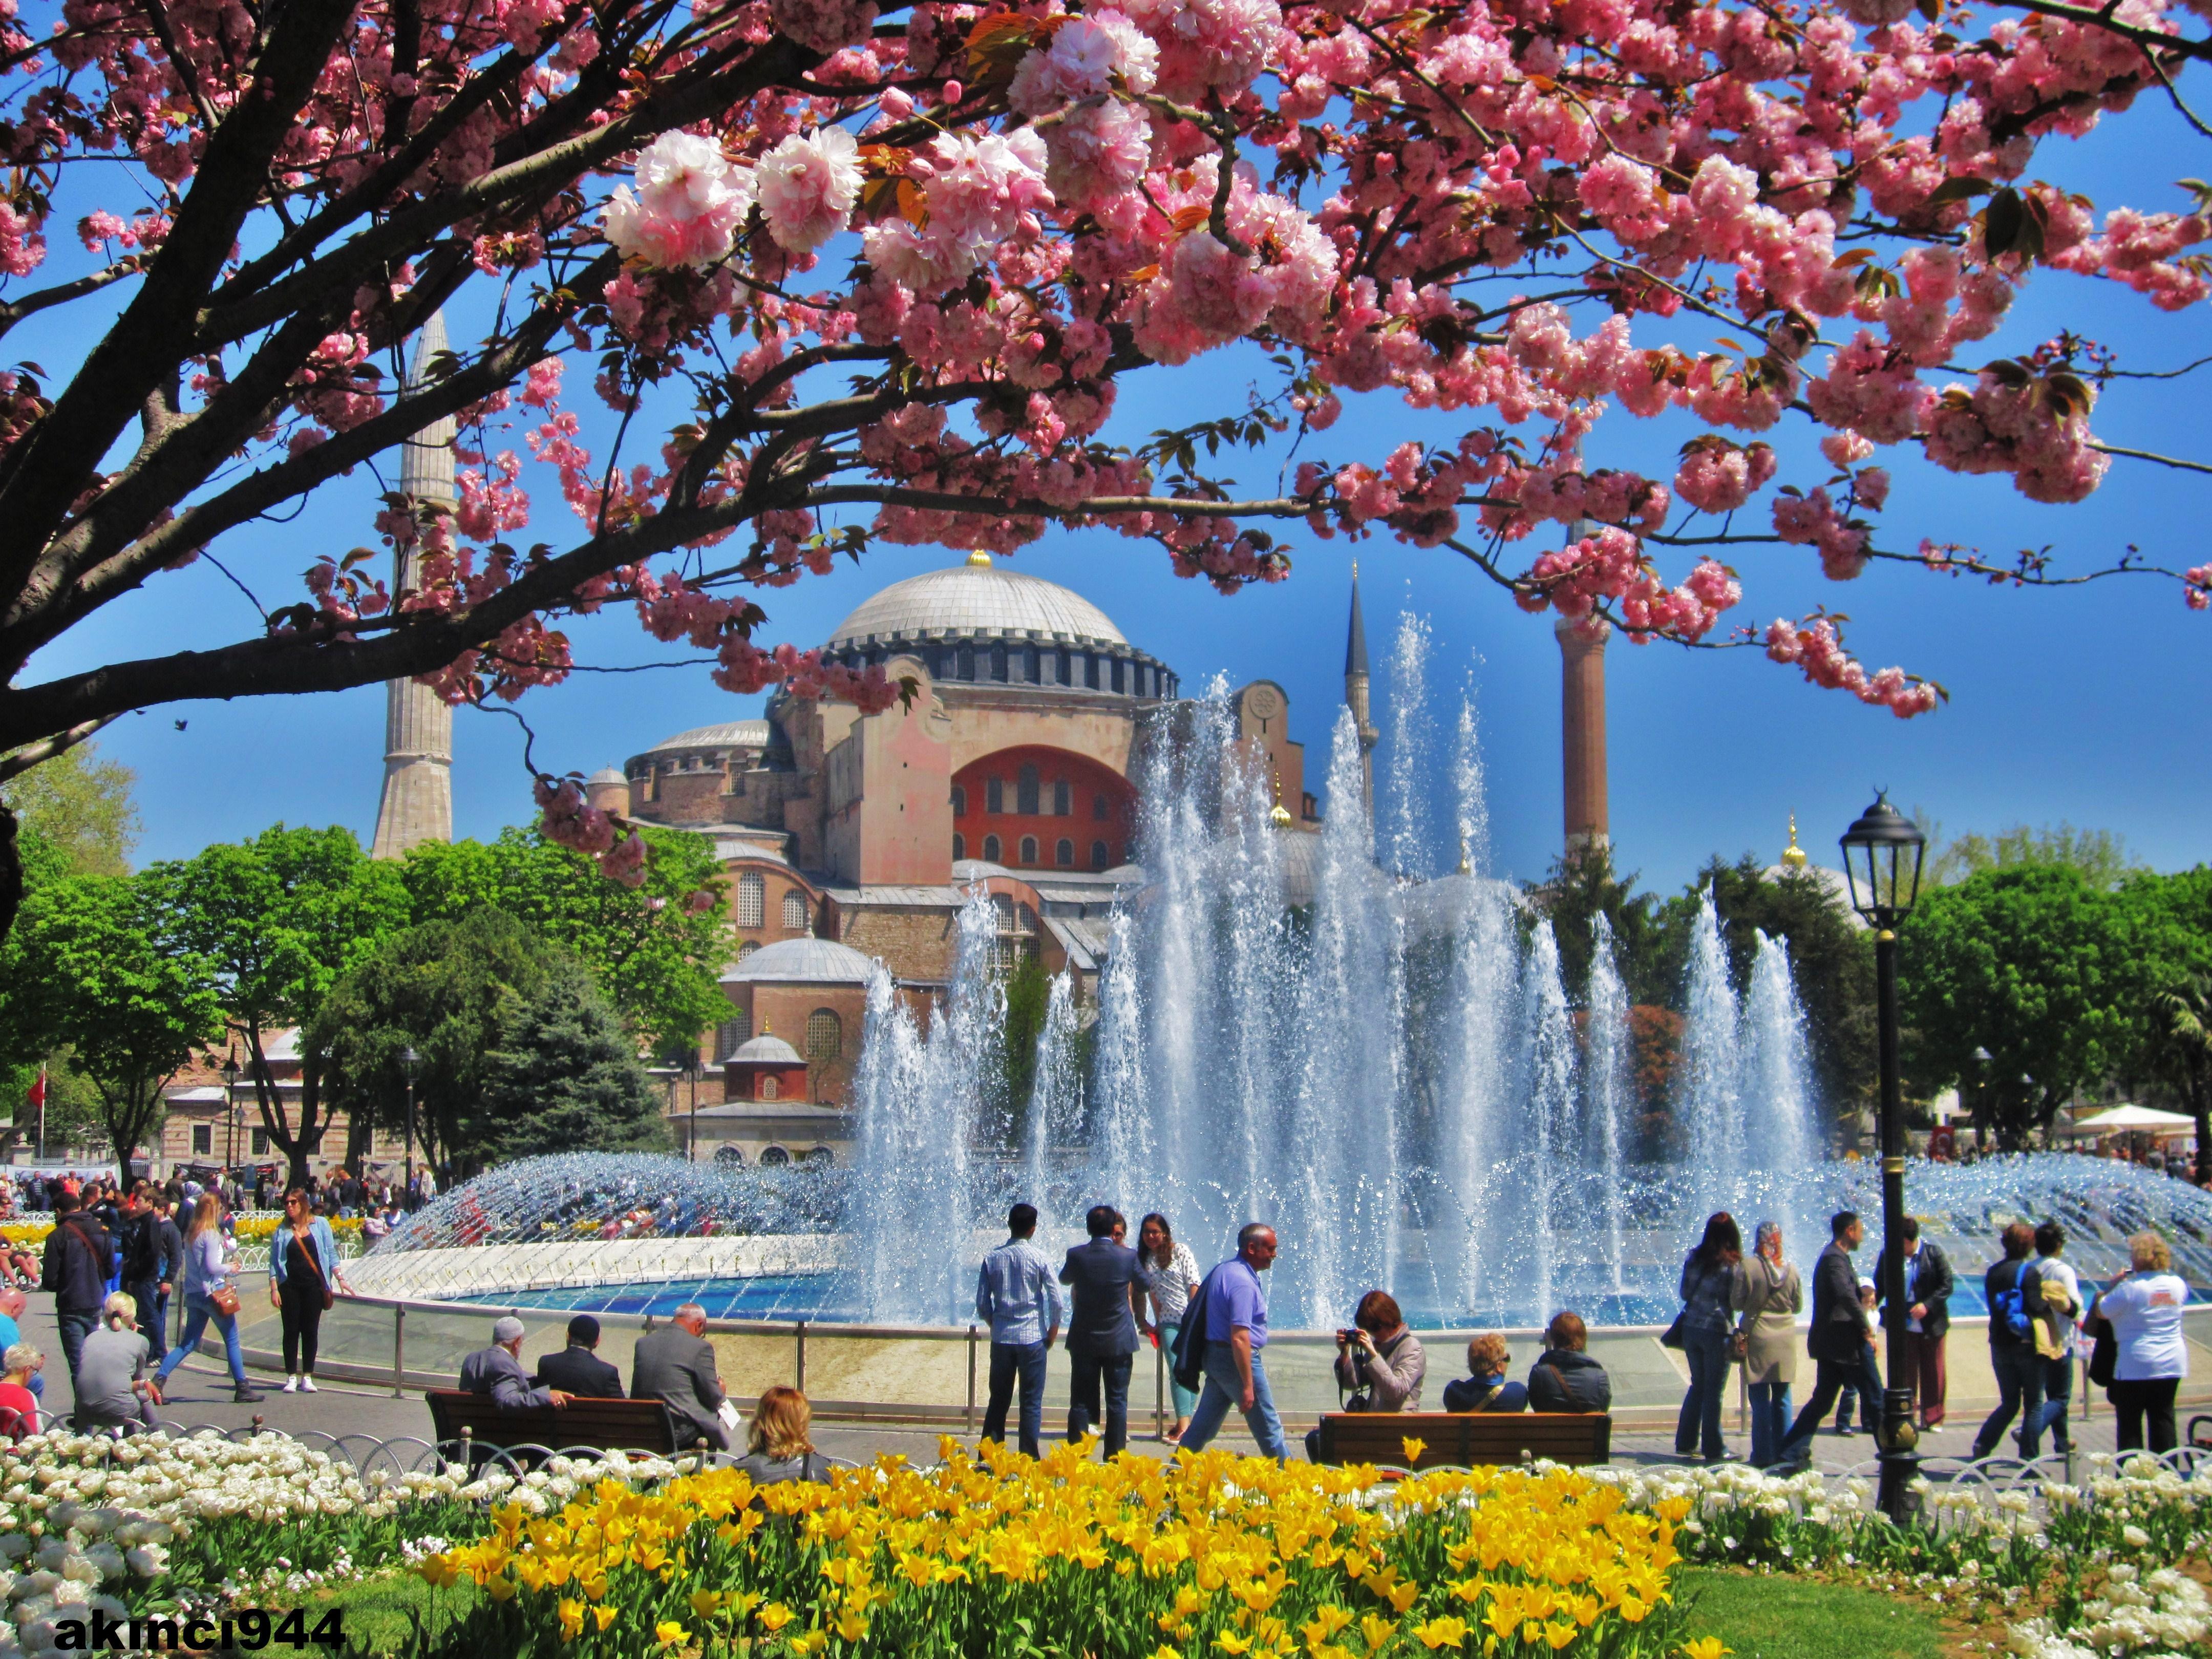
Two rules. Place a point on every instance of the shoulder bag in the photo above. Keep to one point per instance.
(224, 1298)
(307, 1248)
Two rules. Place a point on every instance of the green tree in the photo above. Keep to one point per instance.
(99, 968)
(283, 917)
(1648, 947)
(565, 1078)
(80, 805)
(2184, 1019)
(657, 950)
(2100, 855)
(446, 989)
(2033, 962)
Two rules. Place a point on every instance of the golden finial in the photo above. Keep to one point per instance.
(1465, 863)
(1280, 817)
(767, 1029)
(1793, 855)
(979, 560)
(1355, 570)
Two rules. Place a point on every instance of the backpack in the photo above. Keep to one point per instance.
(1187, 1362)
(2008, 1310)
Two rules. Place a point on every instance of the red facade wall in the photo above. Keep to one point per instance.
(1088, 784)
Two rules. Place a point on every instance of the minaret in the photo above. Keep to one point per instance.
(1582, 706)
(1355, 695)
(418, 725)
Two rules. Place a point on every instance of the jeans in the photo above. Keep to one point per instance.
(300, 1305)
(198, 1311)
(1089, 1370)
(147, 1293)
(2132, 1402)
(2057, 1392)
(1185, 1400)
(1224, 1389)
(1010, 1362)
(2019, 1388)
(1698, 1428)
(75, 1327)
(1770, 1421)
(1829, 1380)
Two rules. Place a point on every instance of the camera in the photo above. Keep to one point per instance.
(1351, 1336)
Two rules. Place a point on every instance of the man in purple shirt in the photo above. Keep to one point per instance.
(1235, 1325)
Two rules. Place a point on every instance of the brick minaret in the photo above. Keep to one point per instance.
(1355, 696)
(418, 726)
(1581, 708)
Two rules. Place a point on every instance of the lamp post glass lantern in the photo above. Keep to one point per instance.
(1882, 854)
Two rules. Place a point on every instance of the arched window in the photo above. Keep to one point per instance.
(1028, 849)
(1025, 793)
(774, 1157)
(1064, 853)
(752, 899)
(1100, 858)
(1002, 911)
(794, 911)
(999, 662)
(732, 1034)
(770, 1088)
(1063, 799)
(960, 848)
(965, 668)
(994, 794)
(990, 849)
(959, 802)
(816, 1155)
(726, 1153)
(1099, 809)
(825, 1037)
(747, 949)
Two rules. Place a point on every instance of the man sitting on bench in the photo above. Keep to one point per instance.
(1565, 1378)
(497, 1370)
(577, 1368)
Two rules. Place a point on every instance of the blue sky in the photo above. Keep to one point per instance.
(2084, 705)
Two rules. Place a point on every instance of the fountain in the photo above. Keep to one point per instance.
(1339, 1033)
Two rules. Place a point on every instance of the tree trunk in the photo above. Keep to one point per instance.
(11, 872)
(2199, 1085)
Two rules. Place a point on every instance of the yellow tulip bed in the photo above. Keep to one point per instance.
(1136, 1559)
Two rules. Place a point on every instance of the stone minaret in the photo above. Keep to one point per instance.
(1355, 696)
(1582, 706)
(418, 725)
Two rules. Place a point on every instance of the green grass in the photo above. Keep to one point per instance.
(1779, 1617)
(380, 1613)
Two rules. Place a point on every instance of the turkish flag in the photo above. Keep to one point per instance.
(38, 1096)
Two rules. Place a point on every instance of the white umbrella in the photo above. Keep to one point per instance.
(2114, 1118)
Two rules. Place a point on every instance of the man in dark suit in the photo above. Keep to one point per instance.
(1928, 1287)
(577, 1368)
(676, 1363)
(1837, 1340)
(497, 1370)
(1107, 1283)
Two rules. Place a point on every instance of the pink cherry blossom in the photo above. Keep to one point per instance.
(689, 203)
(808, 184)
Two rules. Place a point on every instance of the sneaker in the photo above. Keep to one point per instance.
(1845, 1429)
(307, 1385)
(247, 1395)
(291, 1385)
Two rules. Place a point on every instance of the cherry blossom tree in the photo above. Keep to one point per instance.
(902, 260)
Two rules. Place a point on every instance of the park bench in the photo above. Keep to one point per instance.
(640, 1425)
(1465, 1439)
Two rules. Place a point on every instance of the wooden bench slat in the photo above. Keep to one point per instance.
(605, 1424)
(1465, 1438)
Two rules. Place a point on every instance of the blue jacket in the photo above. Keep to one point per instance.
(1099, 1274)
(319, 1240)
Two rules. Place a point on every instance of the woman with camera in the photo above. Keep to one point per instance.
(1704, 1333)
(1379, 1359)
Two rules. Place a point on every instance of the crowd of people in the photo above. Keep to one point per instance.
(1743, 1310)
(373, 1197)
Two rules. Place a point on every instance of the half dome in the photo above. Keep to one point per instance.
(802, 961)
(730, 735)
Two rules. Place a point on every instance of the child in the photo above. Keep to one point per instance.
(1866, 1388)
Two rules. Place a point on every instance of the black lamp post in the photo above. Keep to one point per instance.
(1981, 1057)
(230, 1108)
(1881, 859)
(691, 1074)
(410, 1063)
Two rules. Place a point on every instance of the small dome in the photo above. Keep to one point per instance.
(975, 599)
(802, 961)
(766, 1051)
(730, 734)
(606, 774)
(976, 869)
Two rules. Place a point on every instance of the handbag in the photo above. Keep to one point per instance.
(1672, 1337)
(330, 1296)
(2105, 1352)
(224, 1299)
